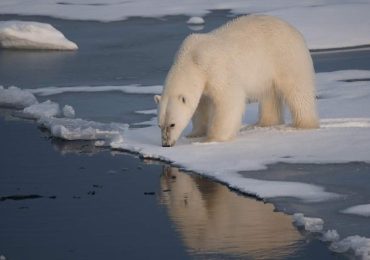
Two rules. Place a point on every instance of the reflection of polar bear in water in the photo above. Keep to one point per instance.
(212, 219)
(254, 57)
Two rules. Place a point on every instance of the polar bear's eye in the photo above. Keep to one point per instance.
(172, 125)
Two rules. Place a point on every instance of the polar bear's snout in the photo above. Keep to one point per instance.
(166, 137)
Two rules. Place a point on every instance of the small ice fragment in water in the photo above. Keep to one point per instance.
(79, 129)
(330, 236)
(360, 245)
(68, 111)
(44, 109)
(14, 97)
(2, 257)
(309, 224)
(33, 35)
(195, 20)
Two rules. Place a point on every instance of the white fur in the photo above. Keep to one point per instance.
(253, 57)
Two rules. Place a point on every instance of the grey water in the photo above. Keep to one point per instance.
(82, 202)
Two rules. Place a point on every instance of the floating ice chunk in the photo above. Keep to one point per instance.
(44, 109)
(195, 20)
(79, 129)
(14, 97)
(360, 245)
(2, 257)
(330, 236)
(68, 111)
(33, 35)
(309, 224)
(360, 210)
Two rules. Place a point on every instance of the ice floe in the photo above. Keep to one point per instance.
(44, 109)
(33, 35)
(330, 236)
(360, 210)
(68, 111)
(359, 245)
(195, 20)
(79, 129)
(325, 24)
(309, 224)
(14, 97)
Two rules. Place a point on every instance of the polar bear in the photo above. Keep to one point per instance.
(252, 58)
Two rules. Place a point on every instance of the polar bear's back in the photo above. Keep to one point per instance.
(263, 46)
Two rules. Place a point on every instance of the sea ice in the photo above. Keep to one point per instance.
(32, 35)
(360, 210)
(68, 111)
(309, 224)
(14, 97)
(79, 129)
(330, 236)
(360, 246)
(195, 20)
(44, 109)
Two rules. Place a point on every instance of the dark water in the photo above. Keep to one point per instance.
(71, 200)
(76, 201)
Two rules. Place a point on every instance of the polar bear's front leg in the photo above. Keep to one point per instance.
(200, 119)
(225, 118)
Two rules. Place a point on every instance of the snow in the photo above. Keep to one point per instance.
(325, 23)
(68, 111)
(360, 246)
(45, 109)
(32, 35)
(195, 20)
(360, 210)
(309, 224)
(14, 97)
(130, 89)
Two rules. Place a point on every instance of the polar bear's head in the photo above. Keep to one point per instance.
(174, 114)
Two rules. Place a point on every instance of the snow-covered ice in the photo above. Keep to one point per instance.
(33, 35)
(195, 20)
(325, 23)
(360, 210)
(359, 245)
(68, 111)
(79, 129)
(330, 236)
(309, 224)
(44, 109)
(14, 97)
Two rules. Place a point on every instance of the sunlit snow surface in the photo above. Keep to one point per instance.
(32, 35)
(325, 23)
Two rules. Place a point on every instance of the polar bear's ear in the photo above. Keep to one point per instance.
(157, 99)
(183, 99)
